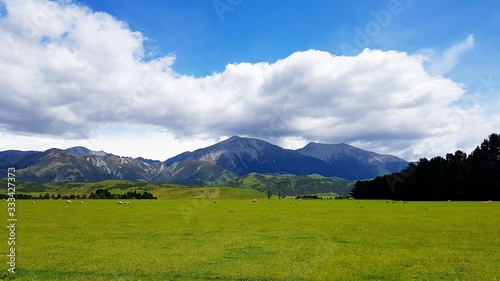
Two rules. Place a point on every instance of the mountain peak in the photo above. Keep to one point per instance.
(238, 139)
(235, 137)
(80, 150)
(337, 145)
(333, 152)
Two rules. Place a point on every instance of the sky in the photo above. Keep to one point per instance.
(156, 78)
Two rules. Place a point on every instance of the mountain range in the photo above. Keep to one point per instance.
(214, 165)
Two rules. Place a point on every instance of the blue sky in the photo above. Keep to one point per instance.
(155, 78)
(260, 30)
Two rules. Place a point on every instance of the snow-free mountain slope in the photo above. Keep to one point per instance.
(242, 156)
(354, 163)
(236, 156)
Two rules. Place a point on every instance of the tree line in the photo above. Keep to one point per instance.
(98, 194)
(457, 176)
(105, 194)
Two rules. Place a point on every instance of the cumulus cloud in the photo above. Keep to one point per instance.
(70, 71)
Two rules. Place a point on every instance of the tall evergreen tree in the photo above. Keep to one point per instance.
(456, 177)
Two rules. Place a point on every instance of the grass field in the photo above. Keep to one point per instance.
(236, 239)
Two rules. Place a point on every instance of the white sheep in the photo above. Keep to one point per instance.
(254, 200)
(81, 202)
(33, 203)
(127, 203)
(120, 203)
(68, 202)
(215, 201)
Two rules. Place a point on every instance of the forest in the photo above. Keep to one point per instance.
(456, 176)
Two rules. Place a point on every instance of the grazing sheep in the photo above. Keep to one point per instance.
(68, 202)
(81, 202)
(33, 203)
(120, 203)
(254, 200)
(127, 203)
(215, 201)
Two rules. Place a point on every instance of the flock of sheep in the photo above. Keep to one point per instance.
(254, 201)
(69, 202)
(121, 203)
(128, 202)
(215, 201)
(81, 202)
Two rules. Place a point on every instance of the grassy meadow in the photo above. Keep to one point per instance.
(235, 239)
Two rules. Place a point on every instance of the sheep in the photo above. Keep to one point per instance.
(215, 201)
(127, 203)
(120, 203)
(81, 202)
(68, 202)
(33, 203)
(254, 200)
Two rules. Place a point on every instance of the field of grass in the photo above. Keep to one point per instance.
(160, 190)
(236, 239)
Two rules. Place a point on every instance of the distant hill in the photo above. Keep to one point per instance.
(18, 159)
(237, 161)
(77, 165)
(292, 184)
(192, 172)
(80, 150)
(353, 163)
(243, 156)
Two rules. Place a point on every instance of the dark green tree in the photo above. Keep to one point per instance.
(269, 193)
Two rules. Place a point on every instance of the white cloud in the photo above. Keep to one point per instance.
(450, 56)
(77, 73)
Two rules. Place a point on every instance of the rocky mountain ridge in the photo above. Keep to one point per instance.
(224, 160)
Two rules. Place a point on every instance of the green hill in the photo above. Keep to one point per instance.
(292, 184)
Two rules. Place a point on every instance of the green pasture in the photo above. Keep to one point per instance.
(236, 239)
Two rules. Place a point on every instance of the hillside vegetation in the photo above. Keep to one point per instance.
(247, 186)
(458, 176)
